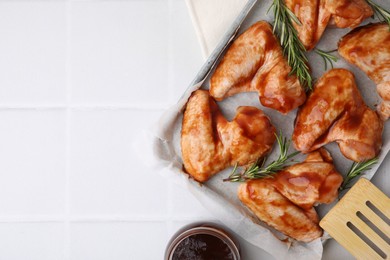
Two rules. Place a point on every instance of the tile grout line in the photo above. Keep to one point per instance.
(61, 1)
(171, 90)
(171, 69)
(93, 218)
(68, 71)
(144, 107)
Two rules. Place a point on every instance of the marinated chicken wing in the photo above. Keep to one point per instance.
(368, 48)
(255, 63)
(262, 198)
(335, 111)
(349, 13)
(313, 181)
(286, 201)
(314, 18)
(210, 143)
(315, 15)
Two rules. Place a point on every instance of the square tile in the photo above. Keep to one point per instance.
(186, 206)
(107, 178)
(135, 240)
(120, 53)
(32, 241)
(32, 152)
(33, 52)
(186, 52)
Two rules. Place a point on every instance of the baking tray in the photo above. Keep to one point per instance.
(220, 197)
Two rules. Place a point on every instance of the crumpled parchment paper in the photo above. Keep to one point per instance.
(219, 197)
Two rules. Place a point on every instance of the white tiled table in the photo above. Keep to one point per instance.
(79, 82)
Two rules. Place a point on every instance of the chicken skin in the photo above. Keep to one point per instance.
(210, 143)
(271, 207)
(313, 181)
(368, 48)
(349, 13)
(255, 63)
(335, 111)
(315, 15)
(314, 18)
(286, 201)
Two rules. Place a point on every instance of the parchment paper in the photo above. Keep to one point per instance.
(219, 197)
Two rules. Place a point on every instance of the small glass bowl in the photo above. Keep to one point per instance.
(204, 229)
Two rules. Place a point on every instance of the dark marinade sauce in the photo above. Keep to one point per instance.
(202, 247)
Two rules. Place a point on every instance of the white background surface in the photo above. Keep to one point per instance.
(79, 82)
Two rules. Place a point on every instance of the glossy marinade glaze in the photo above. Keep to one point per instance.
(210, 143)
(336, 112)
(255, 63)
(368, 48)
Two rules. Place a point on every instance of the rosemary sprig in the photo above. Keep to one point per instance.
(327, 57)
(293, 49)
(256, 171)
(355, 171)
(382, 14)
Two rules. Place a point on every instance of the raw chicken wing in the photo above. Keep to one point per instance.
(335, 111)
(210, 143)
(315, 15)
(262, 198)
(286, 201)
(314, 18)
(255, 63)
(368, 48)
(313, 181)
(349, 13)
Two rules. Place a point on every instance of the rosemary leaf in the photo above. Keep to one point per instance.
(327, 57)
(259, 171)
(293, 49)
(356, 170)
(382, 14)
